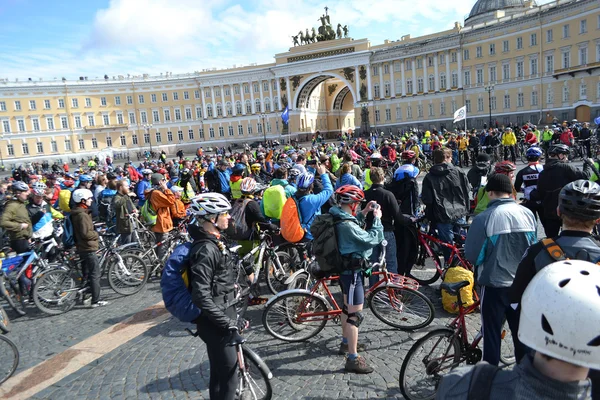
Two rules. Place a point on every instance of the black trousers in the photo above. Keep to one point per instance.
(551, 226)
(90, 268)
(222, 360)
(513, 156)
(495, 308)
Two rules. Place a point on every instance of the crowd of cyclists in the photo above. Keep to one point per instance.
(371, 185)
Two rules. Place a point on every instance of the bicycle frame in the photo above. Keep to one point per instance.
(424, 238)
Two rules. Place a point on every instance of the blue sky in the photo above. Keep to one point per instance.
(48, 39)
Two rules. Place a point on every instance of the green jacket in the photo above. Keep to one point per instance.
(122, 205)
(15, 213)
(86, 237)
(547, 136)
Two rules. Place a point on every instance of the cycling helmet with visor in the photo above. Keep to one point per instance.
(38, 188)
(305, 181)
(580, 200)
(558, 149)
(504, 167)
(207, 204)
(19, 186)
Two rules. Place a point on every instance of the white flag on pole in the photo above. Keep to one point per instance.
(460, 114)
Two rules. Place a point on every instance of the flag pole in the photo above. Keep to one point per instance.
(466, 121)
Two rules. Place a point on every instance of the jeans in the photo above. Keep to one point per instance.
(495, 308)
(390, 256)
(222, 359)
(90, 268)
(160, 250)
(22, 246)
(445, 233)
(125, 238)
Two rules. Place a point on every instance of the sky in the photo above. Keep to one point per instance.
(72, 38)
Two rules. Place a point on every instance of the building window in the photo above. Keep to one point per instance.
(388, 89)
(91, 121)
(419, 63)
(50, 123)
(419, 111)
(493, 102)
(39, 147)
(519, 43)
(442, 59)
(520, 100)
(95, 143)
(198, 112)
(240, 130)
(88, 102)
(248, 107)
(17, 105)
(188, 114)
(158, 137)
(533, 66)
(408, 112)
(164, 97)
(6, 126)
(10, 149)
(123, 140)
(431, 113)
(2, 106)
(388, 114)
(129, 100)
(155, 116)
(375, 70)
(467, 81)
(443, 81)
(146, 138)
(256, 87)
(479, 76)
(191, 133)
(492, 49)
(32, 105)
(143, 117)
(468, 104)
(81, 143)
(54, 146)
(534, 98)
(108, 141)
(565, 94)
(583, 26)
(180, 134)
(25, 148)
(209, 110)
(64, 123)
(257, 105)
(267, 106)
(409, 86)
(221, 132)
(505, 46)
(153, 98)
(219, 110)
(177, 114)
(46, 104)
(105, 120)
(565, 31)
(420, 85)
(454, 79)
(430, 61)
(196, 94)
(175, 96)
(453, 57)
(186, 95)
(134, 140)
(583, 58)
(120, 119)
(480, 104)
(61, 103)
(376, 91)
(566, 59)
(103, 101)
(397, 66)
(169, 136)
(549, 64)
(408, 65)
(505, 72)
(74, 103)
(506, 101)
(442, 108)
(21, 125)
(77, 121)
(465, 54)
(68, 145)
(492, 72)
(131, 118)
(431, 83)
(236, 89)
(36, 124)
(141, 98)
(167, 114)
(533, 39)
(377, 116)
(520, 72)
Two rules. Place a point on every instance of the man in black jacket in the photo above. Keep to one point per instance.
(445, 193)
(556, 174)
(391, 217)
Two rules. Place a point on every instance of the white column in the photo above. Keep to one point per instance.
(233, 112)
(279, 94)
(357, 82)
(460, 72)
(425, 78)
(289, 93)
(448, 75)
(435, 71)
(402, 78)
(243, 100)
(262, 98)
(223, 101)
(203, 103)
(271, 94)
(393, 82)
(369, 88)
(214, 104)
(381, 86)
(252, 96)
(414, 75)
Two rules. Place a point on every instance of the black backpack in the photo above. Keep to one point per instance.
(325, 244)
(238, 229)
(211, 179)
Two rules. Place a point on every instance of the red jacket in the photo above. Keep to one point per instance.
(134, 175)
(567, 137)
(531, 138)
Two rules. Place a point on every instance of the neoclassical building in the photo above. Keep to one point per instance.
(512, 61)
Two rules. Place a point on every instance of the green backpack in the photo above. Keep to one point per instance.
(147, 212)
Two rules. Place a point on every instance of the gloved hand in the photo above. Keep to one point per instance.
(242, 324)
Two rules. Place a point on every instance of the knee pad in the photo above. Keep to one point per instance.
(355, 318)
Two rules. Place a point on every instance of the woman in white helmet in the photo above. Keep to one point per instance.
(212, 282)
(560, 321)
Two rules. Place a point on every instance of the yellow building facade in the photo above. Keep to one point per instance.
(510, 65)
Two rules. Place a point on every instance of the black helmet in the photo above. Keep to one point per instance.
(581, 200)
(559, 149)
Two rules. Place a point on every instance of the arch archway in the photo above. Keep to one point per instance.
(310, 83)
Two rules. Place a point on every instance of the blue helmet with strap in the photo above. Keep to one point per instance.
(406, 171)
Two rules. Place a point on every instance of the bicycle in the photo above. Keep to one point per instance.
(297, 315)
(251, 370)
(450, 348)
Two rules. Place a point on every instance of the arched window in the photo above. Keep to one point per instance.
(219, 110)
(275, 103)
(442, 81)
(238, 107)
(248, 107)
(209, 110)
(257, 105)
(228, 108)
(267, 105)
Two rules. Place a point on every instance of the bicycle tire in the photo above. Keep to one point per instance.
(55, 287)
(5, 324)
(425, 278)
(130, 281)
(283, 312)
(275, 282)
(12, 367)
(430, 368)
(13, 297)
(255, 368)
(381, 303)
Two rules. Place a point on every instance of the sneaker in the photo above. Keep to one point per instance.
(344, 348)
(101, 303)
(358, 365)
(87, 302)
(257, 301)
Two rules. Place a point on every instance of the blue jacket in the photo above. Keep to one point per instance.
(141, 188)
(310, 205)
(498, 239)
(352, 238)
(348, 179)
(224, 179)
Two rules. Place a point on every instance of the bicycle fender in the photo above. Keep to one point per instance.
(299, 291)
(300, 271)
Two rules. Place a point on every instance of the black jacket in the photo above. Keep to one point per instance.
(474, 176)
(391, 215)
(406, 192)
(445, 193)
(553, 178)
(212, 280)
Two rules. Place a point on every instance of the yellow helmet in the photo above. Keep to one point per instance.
(427, 134)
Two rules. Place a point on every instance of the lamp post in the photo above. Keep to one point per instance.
(264, 128)
(1, 159)
(490, 89)
(147, 128)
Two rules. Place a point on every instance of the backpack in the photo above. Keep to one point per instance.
(238, 228)
(557, 253)
(68, 237)
(291, 228)
(483, 376)
(325, 244)
(148, 213)
(175, 284)
(211, 179)
(274, 199)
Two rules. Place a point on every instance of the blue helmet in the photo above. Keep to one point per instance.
(533, 152)
(85, 178)
(305, 180)
(406, 171)
(238, 168)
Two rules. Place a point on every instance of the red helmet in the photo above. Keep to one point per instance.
(504, 167)
(408, 155)
(349, 194)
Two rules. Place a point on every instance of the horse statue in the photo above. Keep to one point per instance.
(313, 36)
(345, 31)
(295, 39)
(307, 36)
(301, 36)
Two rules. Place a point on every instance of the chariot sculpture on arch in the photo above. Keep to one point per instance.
(322, 33)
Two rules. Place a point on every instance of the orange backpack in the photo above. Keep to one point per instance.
(291, 229)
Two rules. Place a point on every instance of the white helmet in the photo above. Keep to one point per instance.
(209, 204)
(38, 188)
(82, 194)
(560, 309)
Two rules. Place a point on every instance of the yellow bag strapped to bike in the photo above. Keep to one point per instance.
(453, 275)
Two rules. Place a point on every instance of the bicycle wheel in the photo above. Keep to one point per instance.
(402, 308)
(289, 317)
(426, 269)
(9, 358)
(428, 359)
(128, 276)
(255, 378)
(4, 321)
(13, 295)
(507, 346)
(301, 281)
(55, 292)
(274, 276)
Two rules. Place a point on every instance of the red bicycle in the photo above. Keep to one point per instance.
(430, 252)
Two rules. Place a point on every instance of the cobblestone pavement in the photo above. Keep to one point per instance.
(166, 363)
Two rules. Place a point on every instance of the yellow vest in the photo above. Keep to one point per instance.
(368, 182)
(236, 192)
(63, 200)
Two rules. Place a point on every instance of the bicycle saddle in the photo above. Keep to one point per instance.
(236, 339)
(453, 288)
